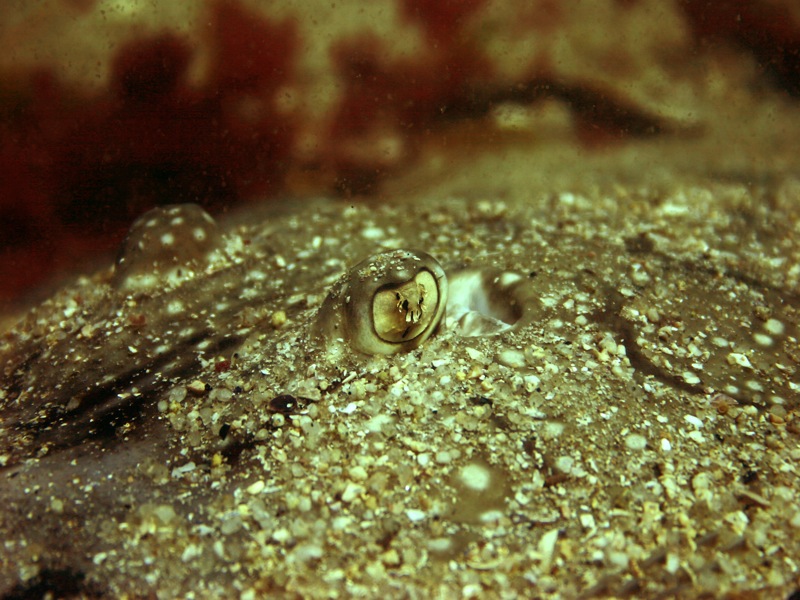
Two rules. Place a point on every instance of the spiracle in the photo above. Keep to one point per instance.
(388, 303)
(486, 301)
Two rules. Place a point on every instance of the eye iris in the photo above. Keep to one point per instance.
(389, 302)
(398, 312)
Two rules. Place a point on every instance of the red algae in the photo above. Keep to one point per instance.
(239, 103)
(767, 29)
(75, 166)
(390, 100)
(403, 99)
(442, 20)
(252, 54)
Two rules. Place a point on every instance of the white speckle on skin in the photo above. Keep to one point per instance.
(754, 385)
(373, 233)
(762, 339)
(475, 477)
(774, 327)
(491, 516)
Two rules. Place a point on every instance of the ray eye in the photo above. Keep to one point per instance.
(372, 307)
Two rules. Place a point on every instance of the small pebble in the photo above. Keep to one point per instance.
(257, 487)
(278, 319)
(546, 548)
(691, 378)
(352, 491)
(281, 535)
(736, 358)
(443, 457)
(795, 521)
(691, 419)
(197, 387)
(415, 515)
(634, 441)
(511, 358)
